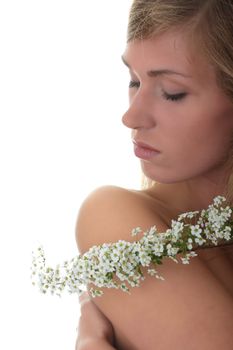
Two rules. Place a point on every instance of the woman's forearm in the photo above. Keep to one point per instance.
(95, 331)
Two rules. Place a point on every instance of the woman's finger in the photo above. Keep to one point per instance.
(84, 296)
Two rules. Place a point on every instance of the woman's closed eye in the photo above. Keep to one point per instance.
(172, 97)
(133, 84)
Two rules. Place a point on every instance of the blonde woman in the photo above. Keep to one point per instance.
(180, 59)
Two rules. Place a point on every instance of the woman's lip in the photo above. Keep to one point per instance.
(144, 152)
(144, 145)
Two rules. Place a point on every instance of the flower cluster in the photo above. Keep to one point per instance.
(111, 265)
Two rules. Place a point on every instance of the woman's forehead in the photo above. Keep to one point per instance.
(170, 50)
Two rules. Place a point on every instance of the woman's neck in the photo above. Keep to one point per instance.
(187, 196)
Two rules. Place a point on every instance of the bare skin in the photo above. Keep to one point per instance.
(94, 329)
(193, 307)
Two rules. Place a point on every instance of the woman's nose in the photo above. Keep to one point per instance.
(139, 114)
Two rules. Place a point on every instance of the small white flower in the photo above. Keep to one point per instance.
(199, 241)
(192, 254)
(218, 200)
(227, 233)
(196, 230)
(159, 277)
(152, 272)
(144, 258)
(188, 215)
(185, 260)
(177, 228)
(115, 256)
(189, 243)
(158, 249)
(136, 231)
(171, 251)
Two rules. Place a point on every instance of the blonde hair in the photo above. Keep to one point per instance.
(209, 26)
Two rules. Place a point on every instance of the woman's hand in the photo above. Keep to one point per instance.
(94, 328)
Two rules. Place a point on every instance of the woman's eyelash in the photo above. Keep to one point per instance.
(174, 97)
(134, 83)
(171, 97)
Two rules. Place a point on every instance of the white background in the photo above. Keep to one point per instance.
(63, 90)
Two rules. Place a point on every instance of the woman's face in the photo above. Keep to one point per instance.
(183, 114)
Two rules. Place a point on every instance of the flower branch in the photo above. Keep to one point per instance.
(111, 265)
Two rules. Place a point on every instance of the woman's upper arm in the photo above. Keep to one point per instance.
(94, 218)
(109, 214)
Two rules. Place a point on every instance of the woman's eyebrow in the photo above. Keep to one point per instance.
(155, 73)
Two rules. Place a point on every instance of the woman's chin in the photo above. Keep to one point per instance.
(155, 175)
(151, 172)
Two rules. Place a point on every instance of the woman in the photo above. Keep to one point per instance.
(180, 58)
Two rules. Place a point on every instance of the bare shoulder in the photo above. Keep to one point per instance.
(149, 315)
(109, 213)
